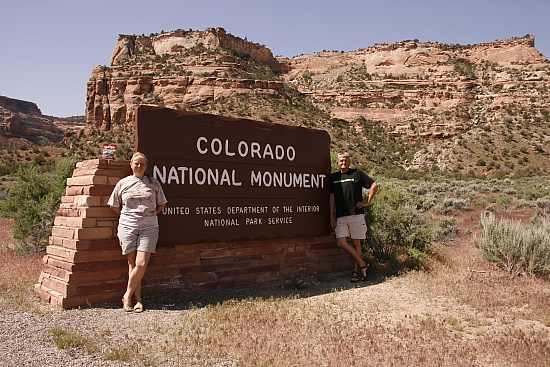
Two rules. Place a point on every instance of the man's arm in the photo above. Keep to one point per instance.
(372, 192)
(332, 212)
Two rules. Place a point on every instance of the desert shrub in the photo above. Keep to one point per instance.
(449, 204)
(445, 229)
(32, 202)
(543, 204)
(464, 192)
(428, 202)
(535, 254)
(63, 170)
(398, 233)
(515, 247)
(29, 201)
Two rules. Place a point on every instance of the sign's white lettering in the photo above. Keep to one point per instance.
(199, 176)
(254, 149)
(222, 177)
(287, 179)
(208, 210)
(221, 222)
(176, 210)
(279, 220)
(247, 209)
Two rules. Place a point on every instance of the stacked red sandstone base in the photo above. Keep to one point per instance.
(83, 263)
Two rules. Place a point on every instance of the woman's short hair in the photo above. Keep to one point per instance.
(139, 155)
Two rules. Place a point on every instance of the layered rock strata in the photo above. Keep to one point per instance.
(177, 70)
(22, 122)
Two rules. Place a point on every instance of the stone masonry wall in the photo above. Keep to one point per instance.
(84, 265)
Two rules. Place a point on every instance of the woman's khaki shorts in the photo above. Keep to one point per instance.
(352, 226)
(144, 240)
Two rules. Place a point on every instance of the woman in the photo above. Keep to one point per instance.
(138, 199)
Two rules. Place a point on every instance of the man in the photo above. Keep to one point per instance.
(346, 211)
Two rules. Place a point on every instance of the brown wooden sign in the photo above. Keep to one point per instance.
(228, 179)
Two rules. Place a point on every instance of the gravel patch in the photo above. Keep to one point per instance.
(26, 338)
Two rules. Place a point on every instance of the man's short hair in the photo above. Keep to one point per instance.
(344, 154)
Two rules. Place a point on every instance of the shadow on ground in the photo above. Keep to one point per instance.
(300, 287)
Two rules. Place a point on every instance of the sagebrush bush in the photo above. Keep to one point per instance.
(32, 203)
(450, 204)
(514, 246)
(396, 228)
(446, 228)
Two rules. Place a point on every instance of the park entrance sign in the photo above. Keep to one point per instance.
(232, 179)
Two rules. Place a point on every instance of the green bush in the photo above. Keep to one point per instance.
(32, 202)
(29, 202)
(398, 233)
(515, 247)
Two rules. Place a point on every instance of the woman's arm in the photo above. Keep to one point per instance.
(159, 208)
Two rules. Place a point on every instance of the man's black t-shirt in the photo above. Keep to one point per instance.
(348, 190)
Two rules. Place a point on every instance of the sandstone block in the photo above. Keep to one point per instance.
(93, 233)
(93, 256)
(87, 180)
(58, 262)
(215, 254)
(61, 252)
(112, 223)
(86, 200)
(64, 232)
(100, 287)
(98, 212)
(97, 190)
(54, 283)
(113, 180)
(74, 190)
(57, 241)
(104, 244)
(75, 222)
(255, 250)
(98, 276)
(69, 212)
(67, 199)
(74, 244)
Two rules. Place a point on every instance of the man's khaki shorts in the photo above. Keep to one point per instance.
(352, 226)
(144, 239)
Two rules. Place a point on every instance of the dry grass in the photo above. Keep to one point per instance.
(445, 316)
(18, 273)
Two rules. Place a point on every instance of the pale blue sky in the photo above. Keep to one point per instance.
(48, 48)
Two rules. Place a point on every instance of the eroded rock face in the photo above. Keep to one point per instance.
(420, 88)
(22, 122)
(392, 83)
(415, 90)
(176, 69)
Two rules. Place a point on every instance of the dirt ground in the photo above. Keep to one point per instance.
(462, 311)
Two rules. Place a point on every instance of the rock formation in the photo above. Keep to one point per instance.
(445, 95)
(176, 69)
(415, 83)
(22, 122)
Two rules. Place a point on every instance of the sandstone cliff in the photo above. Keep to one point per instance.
(397, 83)
(21, 122)
(179, 69)
(439, 100)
